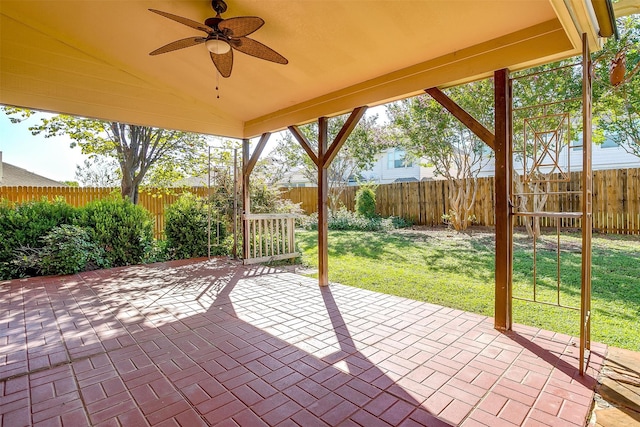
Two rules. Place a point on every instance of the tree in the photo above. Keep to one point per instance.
(426, 130)
(99, 172)
(547, 120)
(140, 151)
(357, 154)
(617, 108)
(536, 99)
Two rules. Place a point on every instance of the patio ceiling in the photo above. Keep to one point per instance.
(91, 58)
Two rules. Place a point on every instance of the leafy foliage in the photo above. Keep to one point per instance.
(122, 229)
(343, 219)
(160, 155)
(266, 198)
(426, 130)
(358, 153)
(100, 171)
(186, 229)
(366, 201)
(618, 107)
(68, 249)
(23, 225)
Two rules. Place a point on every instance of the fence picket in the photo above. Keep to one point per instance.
(616, 201)
(153, 200)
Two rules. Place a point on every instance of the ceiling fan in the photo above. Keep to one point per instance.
(223, 35)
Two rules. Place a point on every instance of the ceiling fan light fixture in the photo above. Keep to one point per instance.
(217, 46)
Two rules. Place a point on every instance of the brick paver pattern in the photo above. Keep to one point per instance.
(212, 342)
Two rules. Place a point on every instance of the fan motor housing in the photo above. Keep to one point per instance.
(213, 23)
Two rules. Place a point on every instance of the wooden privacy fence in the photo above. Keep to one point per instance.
(271, 237)
(154, 201)
(616, 201)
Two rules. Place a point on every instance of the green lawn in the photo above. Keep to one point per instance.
(457, 270)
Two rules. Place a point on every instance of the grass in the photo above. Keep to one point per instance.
(457, 270)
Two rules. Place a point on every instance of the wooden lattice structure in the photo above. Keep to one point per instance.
(543, 133)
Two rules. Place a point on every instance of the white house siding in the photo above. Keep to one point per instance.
(605, 158)
(295, 178)
(602, 158)
(380, 173)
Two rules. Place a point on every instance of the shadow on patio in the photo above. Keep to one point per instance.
(213, 342)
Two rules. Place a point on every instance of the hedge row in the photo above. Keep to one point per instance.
(42, 237)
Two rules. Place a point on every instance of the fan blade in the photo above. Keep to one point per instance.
(224, 62)
(184, 21)
(178, 44)
(240, 26)
(257, 49)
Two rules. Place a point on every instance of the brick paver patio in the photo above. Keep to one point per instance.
(217, 343)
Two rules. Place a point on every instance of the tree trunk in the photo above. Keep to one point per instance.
(128, 188)
(539, 191)
(462, 196)
(522, 201)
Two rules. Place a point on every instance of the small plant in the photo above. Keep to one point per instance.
(366, 201)
(156, 251)
(69, 249)
(267, 199)
(186, 229)
(23, 225)
(122, 229)
(343, 219)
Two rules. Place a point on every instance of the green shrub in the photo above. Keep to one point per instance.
(366, 201)
(23, 225)
(267, 199)
(122, 229)
(156, 252)
(344, 219)
(186, 229)
(69, 249)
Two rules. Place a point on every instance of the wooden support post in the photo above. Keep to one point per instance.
(501, 143)
(248, 163)
(246, 208)
(323, 206)
(326, 154)
(503, 182)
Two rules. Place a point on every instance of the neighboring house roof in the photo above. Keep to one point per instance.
(294, 176)
(13, 176)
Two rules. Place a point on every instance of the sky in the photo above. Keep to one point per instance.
(53, 157)
(49, 157)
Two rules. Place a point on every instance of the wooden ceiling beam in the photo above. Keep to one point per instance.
(344, 133)
(304, 142)
(465, 118)
(248, 167)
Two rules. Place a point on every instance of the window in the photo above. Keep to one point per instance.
(607, 143)
(397, 159)
(576, 145)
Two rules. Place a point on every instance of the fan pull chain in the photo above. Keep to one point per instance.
(217, 84)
